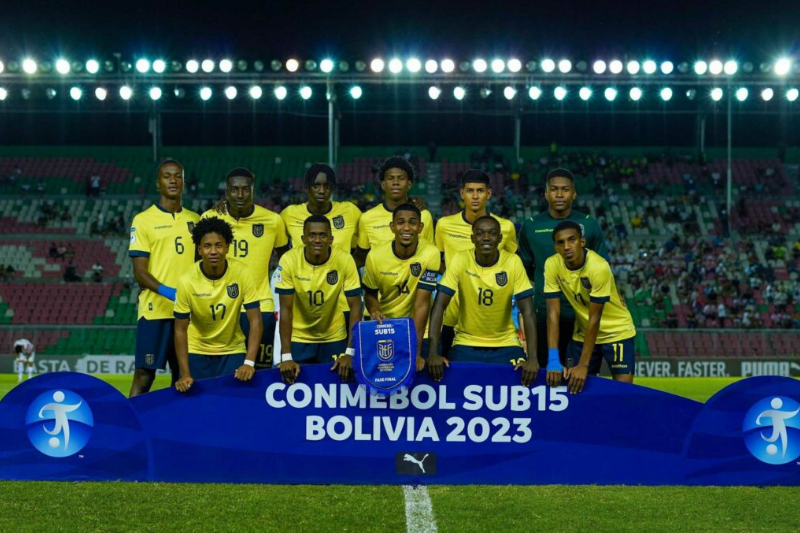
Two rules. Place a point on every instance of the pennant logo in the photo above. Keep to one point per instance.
(385, 349)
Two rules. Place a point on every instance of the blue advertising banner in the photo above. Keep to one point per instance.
(479, 425)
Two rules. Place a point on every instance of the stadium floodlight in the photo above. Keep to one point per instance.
(226, 65)
(241, 65)
(649, 67)
(560, 93)
(666, 94)
(29, 66)
(255, 92)
(700, 68)
(731, 67)
(548, 65)
(361, 66)
(125, 92)
(414, 65)
(431, 66)
(231, 92)
(395, 66)
(155, 93)
(142, 66)
(459, 93)
(635, 94)
(610, 93)
(26, 94)
(767, 94)
(100, 93)
(179, 92)
(716, 94)
(741, 94)
(3, 93)
(599, 66)
(292, 65)
(783, 66)
(377, 65)
(75, 93)
(434, 92)
(498, 66)
(63, 66)
(615, 66)
(92, 66)
(509, 92)
(305, 92)
(479, 65)
(633, 67)
(159, 66)
(667, 67)
(50, 93)
(564, 66)
(534, 93)
(192, 66)
(326, 65)
(585, 93)
(514, 65)
(356, 92)
(280, 92)
(691, 94)
(205, 93)
(2, 66)
(792, 94)
(448, 66)
(310, 64)
(715, 67)
(207, 65)
(175, 65)
(748, 67)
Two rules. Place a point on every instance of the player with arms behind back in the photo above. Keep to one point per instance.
(161, 249)
(603, 325)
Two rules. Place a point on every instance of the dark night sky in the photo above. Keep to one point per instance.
(266, 30)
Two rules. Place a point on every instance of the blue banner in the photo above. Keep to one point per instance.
(477, 426)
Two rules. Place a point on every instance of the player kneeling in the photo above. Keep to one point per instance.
(604, 327)
(211, 294)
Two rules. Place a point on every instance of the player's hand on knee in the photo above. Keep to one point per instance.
(420, 363)
(184, 384)
(577, 378)
(343, 365)
(244, 373)
(289, 371)
(436, 364)
(529, 367)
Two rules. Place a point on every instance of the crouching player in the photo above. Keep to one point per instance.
(211, 294)
(603, 325)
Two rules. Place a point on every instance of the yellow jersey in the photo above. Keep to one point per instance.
(212, 307)
(165, 239)
(344, 217)
(484, 316)
(373, 228)
(254, 238)
(593, 282)
(317, 290)
(454, 234)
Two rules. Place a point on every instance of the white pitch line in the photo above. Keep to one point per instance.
(419, 512)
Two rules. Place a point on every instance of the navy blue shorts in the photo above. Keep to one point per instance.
(306, 353)
(212, 366)
(473, 354)
(264, 357)
(155, 344)
(619, 356)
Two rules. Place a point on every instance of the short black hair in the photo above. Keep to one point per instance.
(18, 348)
(487, 217)
(317, 169)
(168, 162)
(407, 207)
(212, 225)
(567, 224)
(317, 219)
(240, 172)
(396, 162)
(475, 175)
(559, 173)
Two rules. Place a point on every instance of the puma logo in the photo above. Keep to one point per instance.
(410, 458)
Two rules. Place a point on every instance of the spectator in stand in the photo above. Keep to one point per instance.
(71, 273)
(66, 216)
(97, 272)
(69, 254)
(53, 251)
(722, 314)
(94, 186)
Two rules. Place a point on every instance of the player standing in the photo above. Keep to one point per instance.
(161, 249)
(400, 275)
(26, 355)
(487, 279)
(257, 231)
(211, 294)
(604, 325)
(311, 279)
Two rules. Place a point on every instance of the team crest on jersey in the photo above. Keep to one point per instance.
(191, 226)
(338, 222)
(586, 283)
(385, 349)
(501, 278)
(258, 230)
(333, 277)
(233, 290)
(416, 269)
